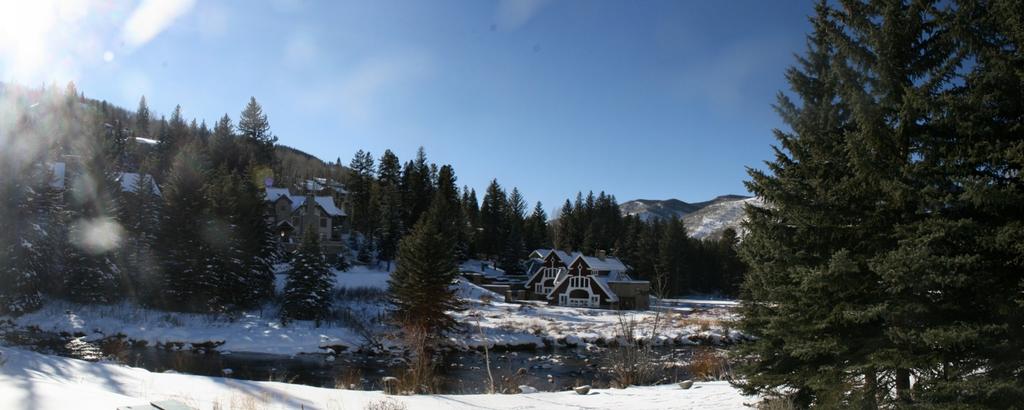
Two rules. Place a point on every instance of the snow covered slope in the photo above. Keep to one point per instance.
(703, 219)
(33, 381)
(710, 221)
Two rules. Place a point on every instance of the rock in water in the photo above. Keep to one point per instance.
(686, 384)
(582, 389)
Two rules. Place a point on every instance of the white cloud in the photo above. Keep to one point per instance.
(512, 14)
(300, 50)
(151, 18)
(358, 92)
(364, 84)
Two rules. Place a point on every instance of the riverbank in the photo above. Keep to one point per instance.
(31, 380)
(360, 312)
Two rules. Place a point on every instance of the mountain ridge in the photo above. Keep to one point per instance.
(703, 220)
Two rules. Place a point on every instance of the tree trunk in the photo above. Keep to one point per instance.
(870, 389)
(903, 385)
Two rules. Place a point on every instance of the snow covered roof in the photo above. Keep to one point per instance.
(130, 182)
(274, 193)
(608, 263)
(325, 202)
(603, 283)
(566, 257)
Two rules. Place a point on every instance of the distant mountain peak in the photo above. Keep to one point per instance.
(706, 219)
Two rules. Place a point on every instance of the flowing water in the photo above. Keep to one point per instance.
(548, 369)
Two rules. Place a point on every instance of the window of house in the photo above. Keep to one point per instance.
(323, 222)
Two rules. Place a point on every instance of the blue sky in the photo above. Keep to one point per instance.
(641, 99)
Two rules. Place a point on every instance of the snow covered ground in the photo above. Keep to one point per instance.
(537, 324)
(509, 325)
(30, 380)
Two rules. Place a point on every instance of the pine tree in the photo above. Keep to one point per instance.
(254, 128)
(20, 260)
(417, 188)
(91, 274)
(308, 290)
(183, 249)
(513, 247)
(447, 209)
(471, 212)
(421, 288)
(391, 229)
(566, 228)
(362, 211)
(815, 299)
(142, 118)
(493, 216)
(535, 229)
(139, 214)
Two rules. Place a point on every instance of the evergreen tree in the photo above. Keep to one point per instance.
(20, 260)
(257, 245)
(670, 277)
(391, 228)
(535, 229)
(421, 288)
(471, 212)
(142, 118)
(139, 214)
(417, 187)
(254, 128)
(513, 247)
(362, 211)
(308, 290)
(493, 216)
(447, 209)
(183, 249)
(828, 307)
(91, 274)
(566, 228)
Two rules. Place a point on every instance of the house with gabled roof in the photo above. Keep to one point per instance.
(550, 266)
(292, 215)
(574, 279)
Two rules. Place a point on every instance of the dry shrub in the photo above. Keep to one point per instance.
(702, 323)
(632, 362)
(350, 379)
(708, 364)
(385, 404)
(421, 376)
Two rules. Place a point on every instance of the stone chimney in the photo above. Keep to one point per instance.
(601, 254)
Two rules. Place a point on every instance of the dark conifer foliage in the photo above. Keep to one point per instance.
(535, 229)
(143, 118)
(361, 186)
(182, 242)
(254, 128)
(90, 272)
(308, 291)
(491, 239)
(389, 175)
(21, 263)
(421, 288)
(882, 255)
(417, 188)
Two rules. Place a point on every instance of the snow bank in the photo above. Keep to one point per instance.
(247, 332)
(33, 381)
(362, 277)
